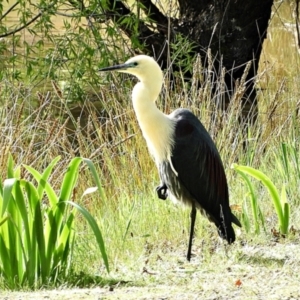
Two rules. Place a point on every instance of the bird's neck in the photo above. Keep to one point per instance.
(156, 127)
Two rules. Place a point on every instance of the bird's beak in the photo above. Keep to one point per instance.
(115, 68)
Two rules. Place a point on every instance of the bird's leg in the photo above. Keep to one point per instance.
(193, 219)
(162, 191)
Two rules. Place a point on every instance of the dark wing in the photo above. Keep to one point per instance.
(200, 170)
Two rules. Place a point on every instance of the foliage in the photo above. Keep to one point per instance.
(281, 205)
(43, 54)
(70, 57)
(37, 230)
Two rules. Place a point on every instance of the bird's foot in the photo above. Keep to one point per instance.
(162, 192)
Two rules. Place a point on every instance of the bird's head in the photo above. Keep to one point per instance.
(142, 66)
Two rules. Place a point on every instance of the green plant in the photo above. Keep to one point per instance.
(281, 206)
(37, 229)
(257, 214)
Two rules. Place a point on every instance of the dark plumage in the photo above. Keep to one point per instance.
(201, 178)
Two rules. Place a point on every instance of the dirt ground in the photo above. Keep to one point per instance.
(264, 272)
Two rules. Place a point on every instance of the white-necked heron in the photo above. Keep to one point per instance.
(189, 164)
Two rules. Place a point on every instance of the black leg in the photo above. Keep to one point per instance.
(193, 219)
(162, 191)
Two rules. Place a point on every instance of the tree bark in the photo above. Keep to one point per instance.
(234, 30)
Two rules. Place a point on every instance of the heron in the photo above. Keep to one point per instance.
(189, 165)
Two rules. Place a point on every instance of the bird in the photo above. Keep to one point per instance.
(188, 162)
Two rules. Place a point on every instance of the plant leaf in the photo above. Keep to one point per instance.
(95, 229)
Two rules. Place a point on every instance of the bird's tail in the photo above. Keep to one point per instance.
(235, 220)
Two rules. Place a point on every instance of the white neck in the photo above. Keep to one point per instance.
(156, 127)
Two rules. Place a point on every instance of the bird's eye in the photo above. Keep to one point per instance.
(134, 64)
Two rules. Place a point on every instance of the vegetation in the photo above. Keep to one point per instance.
(36, 238)
(55, 103)
(281, 206)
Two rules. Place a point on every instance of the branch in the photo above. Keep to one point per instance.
(58, 13)
(154, 42)
(22, 27)
(297, 21)
(78, 5)
(154, 13)
(27, 24)
(117, 10)
(9, 10)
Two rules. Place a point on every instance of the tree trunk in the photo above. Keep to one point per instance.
(233, 30)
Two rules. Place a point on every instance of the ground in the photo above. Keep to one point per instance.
(246, 272)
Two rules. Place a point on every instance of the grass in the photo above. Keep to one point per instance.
(143, 234)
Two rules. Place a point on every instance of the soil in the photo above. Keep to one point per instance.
(249, 272)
